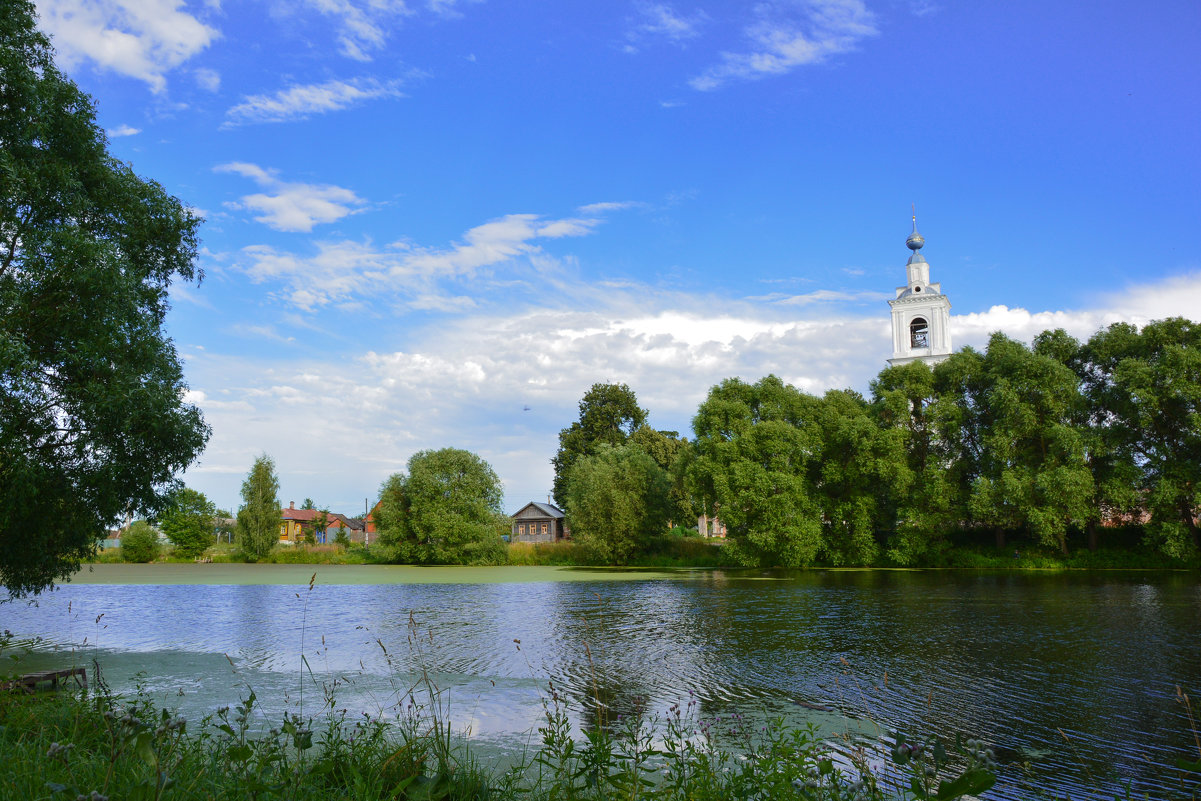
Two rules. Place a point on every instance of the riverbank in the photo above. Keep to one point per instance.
(101, 746)
(707, 554)
(236, 573)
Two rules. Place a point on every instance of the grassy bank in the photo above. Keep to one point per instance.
(63, 746)
(696, 552)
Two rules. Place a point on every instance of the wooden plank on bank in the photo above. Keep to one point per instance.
(30, 681)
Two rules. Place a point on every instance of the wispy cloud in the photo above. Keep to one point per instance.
(609, 205)
(409, 275)
(661, 21)
(447, 8)
(362, 26)
(299, 102)
(789, 35)
(288, 206)
(822, 296)
(208, 80)
(143, 39)
(123, 130)
(251, 331)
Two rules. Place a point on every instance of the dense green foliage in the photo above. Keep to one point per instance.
(257, 528)
(93, 424)
(1031, 443)
(445, 510)
(757, 458)
(188, 522)
(617, 498)
(1145, 393)
(609, 414)
(139, 543)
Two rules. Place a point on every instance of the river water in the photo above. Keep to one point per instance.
(1070, 676)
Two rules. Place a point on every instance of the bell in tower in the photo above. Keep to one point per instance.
(921, 314)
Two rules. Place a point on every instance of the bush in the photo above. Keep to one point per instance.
(140, 543)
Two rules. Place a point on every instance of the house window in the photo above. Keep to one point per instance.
(919, 333)
(543, 528)
(520, 528)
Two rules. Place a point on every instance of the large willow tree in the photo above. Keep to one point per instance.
(92, 419)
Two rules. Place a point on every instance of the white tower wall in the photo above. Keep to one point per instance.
(921, 314)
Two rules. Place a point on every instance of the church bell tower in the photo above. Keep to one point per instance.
(921, 314)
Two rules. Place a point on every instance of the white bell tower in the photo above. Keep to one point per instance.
(921, 314)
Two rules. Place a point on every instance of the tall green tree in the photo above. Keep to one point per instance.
(93, 424)
(617, 500)
(1109, 451)
(920, 515)
(1032, 469)
(259, 517)
(446, 510)
(390, 514)
(756, 447)
(188, 522)
(673, 454)
(1146, 388)
(861, 469)
(609, 414)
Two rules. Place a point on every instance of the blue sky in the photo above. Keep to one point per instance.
(425, 216)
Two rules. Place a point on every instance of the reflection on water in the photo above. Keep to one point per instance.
(1011, 658)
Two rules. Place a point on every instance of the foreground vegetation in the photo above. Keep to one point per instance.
(99, 747)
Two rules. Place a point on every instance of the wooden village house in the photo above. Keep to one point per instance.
(539, 522)
(296, 524)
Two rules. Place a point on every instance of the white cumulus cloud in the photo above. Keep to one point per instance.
(123, 130)
(143, 39)
(288, 206)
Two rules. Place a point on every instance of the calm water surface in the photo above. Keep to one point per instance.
(1011, 658)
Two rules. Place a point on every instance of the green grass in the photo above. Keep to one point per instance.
(665, 551)
(695, 552)
(1024, 557)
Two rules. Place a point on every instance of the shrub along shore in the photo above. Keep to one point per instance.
(967, 552)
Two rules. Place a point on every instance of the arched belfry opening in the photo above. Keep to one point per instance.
(921, 313)
(919, 333)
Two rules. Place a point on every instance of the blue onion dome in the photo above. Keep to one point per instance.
(915, 240)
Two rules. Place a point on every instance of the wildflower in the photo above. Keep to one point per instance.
(59, 751)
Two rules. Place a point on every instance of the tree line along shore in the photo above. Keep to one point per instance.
(1059, 454)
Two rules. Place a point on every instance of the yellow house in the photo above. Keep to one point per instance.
(295, 523)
